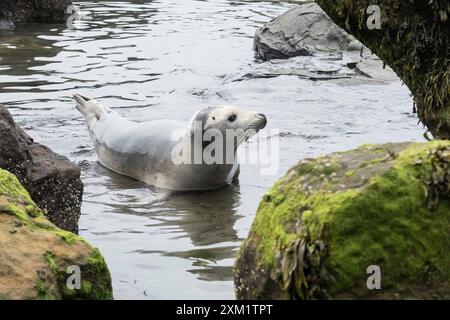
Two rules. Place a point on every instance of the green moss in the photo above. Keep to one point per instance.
(86, 288)
(23, 214)
(25, 210)
(269, 223)
(33, 211)
(371, 228)
(18, 201)
(331, 167)
(350, 173)
(305, 168)
(42, 291)
(68, 237)
(100, 278)
(96, 279)
(364, 164)
(19, 213)
(399, 220)
(50, 259)
(316, 167)
(11, 187)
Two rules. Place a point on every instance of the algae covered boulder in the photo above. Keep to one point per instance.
(39, 260)
(323, 229)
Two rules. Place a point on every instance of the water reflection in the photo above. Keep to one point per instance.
(205, 218)
(16, 66)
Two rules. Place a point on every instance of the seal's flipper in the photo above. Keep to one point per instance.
(91, 109)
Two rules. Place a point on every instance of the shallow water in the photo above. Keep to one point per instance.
(167, 59)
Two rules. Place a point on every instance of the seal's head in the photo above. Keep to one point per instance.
(229, 120)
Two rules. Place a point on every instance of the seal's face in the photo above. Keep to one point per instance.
(243, 123)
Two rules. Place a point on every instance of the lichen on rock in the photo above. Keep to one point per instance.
(321, 226)
(35, 254)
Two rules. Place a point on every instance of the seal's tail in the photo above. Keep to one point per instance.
(91, 109)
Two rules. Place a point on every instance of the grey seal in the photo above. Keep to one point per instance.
(150, 151)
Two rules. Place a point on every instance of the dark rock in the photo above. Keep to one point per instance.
(302, 31)
(34, 10)
(52, 180)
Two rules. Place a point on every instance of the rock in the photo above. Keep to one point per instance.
(414, 42)
(14, 11)
(52, 180)
(302, 31)
(321, 226)
(35, 255)
(305, 31)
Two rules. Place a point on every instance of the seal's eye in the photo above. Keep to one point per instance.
(214, 118)
(232, 117)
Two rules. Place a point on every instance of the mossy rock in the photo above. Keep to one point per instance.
(35, 255)
(321, 226)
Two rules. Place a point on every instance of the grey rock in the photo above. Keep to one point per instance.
(302, 31)
(305, 32)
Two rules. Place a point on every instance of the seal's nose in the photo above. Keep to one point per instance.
(263, 120)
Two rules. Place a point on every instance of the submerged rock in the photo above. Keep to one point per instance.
(35, 255)
(302, 31)
(12, 11)
(53, 181)
(320, 228)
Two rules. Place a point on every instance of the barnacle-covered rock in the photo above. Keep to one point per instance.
(321, 226)
(53, 181)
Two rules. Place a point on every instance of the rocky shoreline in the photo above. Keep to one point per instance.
(53, 181)
(319, 228)
(40, 201)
